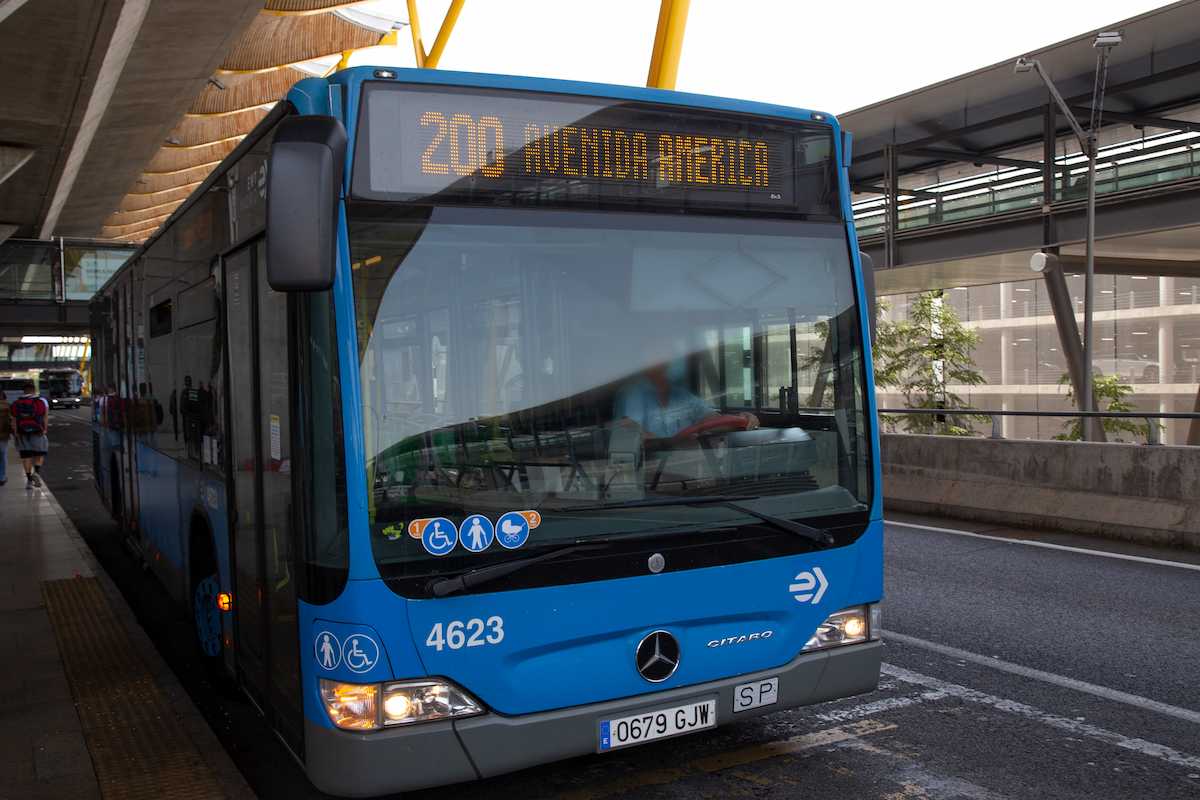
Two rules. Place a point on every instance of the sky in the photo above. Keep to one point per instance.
(827, 56)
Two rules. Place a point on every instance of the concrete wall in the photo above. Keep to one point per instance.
(1148, 494)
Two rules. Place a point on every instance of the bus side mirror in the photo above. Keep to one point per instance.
(304, 181)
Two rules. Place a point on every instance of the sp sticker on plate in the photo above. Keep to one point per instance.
(756, 695)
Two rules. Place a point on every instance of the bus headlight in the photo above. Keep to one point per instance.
(423, 701)
(848, 626)
(351, 706)
(368, 707)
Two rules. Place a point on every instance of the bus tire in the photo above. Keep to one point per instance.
(204, 586)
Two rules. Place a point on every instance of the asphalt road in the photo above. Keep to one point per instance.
(1012, 671)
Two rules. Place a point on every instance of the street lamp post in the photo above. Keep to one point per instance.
(1088, 141)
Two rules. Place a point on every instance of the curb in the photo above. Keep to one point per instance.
(207, 745)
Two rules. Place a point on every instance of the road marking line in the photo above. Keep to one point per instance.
(733, 758)
(916, 781)
(878, 707)
(1116, 695)
(1047, 545)
(1072, 726)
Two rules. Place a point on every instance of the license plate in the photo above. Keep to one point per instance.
(657, 724)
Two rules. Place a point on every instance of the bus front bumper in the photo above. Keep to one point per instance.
(435, 754)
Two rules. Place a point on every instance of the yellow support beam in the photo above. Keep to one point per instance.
(389, 38)
(668, 44)
(414, 25)
(430, 60)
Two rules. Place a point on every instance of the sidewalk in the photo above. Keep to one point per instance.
(87, 707)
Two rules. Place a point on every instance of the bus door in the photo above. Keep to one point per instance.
(126, 389)
(261, 490)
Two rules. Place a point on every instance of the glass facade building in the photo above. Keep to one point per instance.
(1147, 332)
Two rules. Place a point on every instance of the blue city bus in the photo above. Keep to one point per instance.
(484, 421)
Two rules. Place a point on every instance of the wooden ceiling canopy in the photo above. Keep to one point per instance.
(254, 76)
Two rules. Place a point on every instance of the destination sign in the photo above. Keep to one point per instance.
(505, 147)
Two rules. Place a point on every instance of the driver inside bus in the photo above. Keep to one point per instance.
(659, 402)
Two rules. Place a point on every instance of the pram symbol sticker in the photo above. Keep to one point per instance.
(512, 529)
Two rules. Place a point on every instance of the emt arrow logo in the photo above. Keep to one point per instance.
(806, 582)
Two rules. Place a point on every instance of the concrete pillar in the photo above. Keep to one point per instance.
(1166, 431)
(1166, 291)
(1005, 356)
(1005, 300)
(1166, 350)
(1194, 428)
(1166, 358)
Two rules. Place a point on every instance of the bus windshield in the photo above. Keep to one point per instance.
(534, 361)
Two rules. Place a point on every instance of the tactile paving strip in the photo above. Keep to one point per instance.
(138, 746)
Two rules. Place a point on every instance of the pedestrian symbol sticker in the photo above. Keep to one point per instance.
(512, 529)
(477, 533)
(328, 650)
(439, 536)
(360, 653)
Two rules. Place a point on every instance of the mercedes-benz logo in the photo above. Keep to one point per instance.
(657, 656)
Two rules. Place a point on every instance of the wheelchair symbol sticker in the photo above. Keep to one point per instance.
(360, 653)
(439, 536)
(512, 530)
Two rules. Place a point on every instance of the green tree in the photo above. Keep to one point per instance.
(921, 357)
(1111, 395)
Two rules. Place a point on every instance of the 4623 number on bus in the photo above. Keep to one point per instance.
(472, 633)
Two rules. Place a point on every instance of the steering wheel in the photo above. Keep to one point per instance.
(722, 423)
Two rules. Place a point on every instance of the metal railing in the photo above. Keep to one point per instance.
(1022, 189)
(996, 417)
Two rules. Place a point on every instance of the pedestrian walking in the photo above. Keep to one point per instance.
(5, 433)
(30, 415)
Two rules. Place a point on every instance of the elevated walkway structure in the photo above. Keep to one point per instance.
(45, 286)
(959, 183)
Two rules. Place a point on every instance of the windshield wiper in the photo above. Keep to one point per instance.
(475, 577)
(445, 587)
(819, 536)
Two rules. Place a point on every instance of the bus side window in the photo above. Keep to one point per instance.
(738, 358)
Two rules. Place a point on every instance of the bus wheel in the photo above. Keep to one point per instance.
(206, 615)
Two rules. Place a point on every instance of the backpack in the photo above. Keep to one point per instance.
(30, 416)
